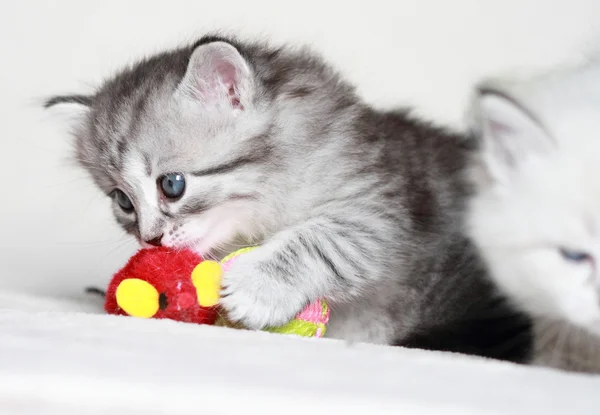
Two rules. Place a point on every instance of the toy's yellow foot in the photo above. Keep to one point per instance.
(206, 277)
(138, 298)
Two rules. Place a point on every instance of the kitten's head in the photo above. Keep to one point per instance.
(536, 211)
(202, 145)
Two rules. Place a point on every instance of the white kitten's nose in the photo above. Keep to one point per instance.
(155, 241)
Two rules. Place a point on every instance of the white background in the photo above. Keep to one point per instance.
(57, 234)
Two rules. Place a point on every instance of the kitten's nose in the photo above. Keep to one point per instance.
(155, 241)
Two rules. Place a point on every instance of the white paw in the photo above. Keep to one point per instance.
(255, 298)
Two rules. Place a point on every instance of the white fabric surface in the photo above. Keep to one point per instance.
(66, 363)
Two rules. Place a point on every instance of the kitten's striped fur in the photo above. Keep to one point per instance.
(360, 206)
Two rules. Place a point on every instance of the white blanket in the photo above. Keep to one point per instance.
(62, 362)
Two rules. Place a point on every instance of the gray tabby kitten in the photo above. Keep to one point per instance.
(223, 143)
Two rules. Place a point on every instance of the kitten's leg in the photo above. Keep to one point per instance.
(323, 257)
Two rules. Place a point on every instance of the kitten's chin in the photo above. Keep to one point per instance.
(215, 233)
(214, 243)
(205, 248)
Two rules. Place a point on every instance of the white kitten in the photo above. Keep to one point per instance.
(536, 212)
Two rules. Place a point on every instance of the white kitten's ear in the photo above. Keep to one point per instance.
(511, 135)
(218, 74)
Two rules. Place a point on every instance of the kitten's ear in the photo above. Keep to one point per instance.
(511, 135)
(218, 74)
(75, 106)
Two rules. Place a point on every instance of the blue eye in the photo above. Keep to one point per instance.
(172, 185)
(574, 255)
(123, 201)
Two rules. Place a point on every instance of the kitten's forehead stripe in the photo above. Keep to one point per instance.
(139, 106)
(114, 161)
(147, 163)
(122, 145)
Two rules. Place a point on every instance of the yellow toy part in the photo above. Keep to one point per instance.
(206, 277)
(137, 298)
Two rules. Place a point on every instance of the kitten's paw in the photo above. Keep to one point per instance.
(256, 298)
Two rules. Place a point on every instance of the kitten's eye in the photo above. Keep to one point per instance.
(172, 185)
(574, 255)
(123, 201)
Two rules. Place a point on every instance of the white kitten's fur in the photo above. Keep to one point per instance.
(538, 193)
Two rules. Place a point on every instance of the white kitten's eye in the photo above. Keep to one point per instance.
(576, 256)
(123, 201)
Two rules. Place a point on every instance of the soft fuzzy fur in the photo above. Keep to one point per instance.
(360, 206)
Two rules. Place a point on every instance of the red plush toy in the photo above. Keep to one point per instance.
(157, 283)
(180, 285)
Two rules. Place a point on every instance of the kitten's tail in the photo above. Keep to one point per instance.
(95, 291)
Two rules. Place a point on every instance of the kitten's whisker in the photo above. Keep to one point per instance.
(120, 245)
